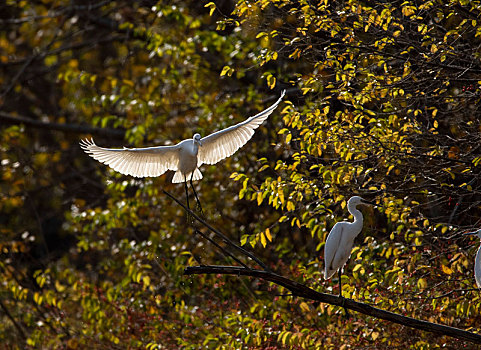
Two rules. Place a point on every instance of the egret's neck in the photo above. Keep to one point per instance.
(196, 144)
(358, 218)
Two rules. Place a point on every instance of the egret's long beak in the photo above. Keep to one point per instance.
(200, 143)
(369, 203)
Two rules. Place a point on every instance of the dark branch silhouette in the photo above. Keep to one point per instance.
(301, 290)
(218, 233)
(81, 129)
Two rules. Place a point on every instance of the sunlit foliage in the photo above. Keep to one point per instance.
(382, 101)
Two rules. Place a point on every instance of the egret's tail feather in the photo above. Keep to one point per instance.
(179, 177)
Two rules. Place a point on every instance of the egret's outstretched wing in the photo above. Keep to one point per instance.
(225, 143)
(137, 162)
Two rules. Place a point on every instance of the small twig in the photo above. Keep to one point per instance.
(222, 249)
(301, 290)
(218, 233)
(17, 76)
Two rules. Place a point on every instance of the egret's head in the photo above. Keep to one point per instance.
(197, 139)
(356, 200)
(477, 233)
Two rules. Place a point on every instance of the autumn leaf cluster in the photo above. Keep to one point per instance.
(382, 101)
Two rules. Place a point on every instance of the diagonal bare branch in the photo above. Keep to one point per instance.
(218, 233)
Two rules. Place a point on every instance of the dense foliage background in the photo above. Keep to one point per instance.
(382, 101)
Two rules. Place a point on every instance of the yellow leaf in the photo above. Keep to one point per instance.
(264, 167)
(225, 70)
(290, 206)
(38, 298)
(146, 280)
(304, 306)
(244, 239)
(446, 270)
(259, 198)
(408, 10)
(357, 267)
(268, 234)
(211, 5)
(263, 239)
(389, 169)
(137, 277)
(422, 284)
(60, 288)
(271, 81)
(375, 335)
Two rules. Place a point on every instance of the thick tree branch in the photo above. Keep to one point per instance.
(303, 291)
(81, 129)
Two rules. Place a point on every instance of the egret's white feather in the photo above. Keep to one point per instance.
(340, 240)
(477, 268)
(183, 158)
(137, 162)
(332, 241)
(226, 142)
(477, 262)
(179, 177)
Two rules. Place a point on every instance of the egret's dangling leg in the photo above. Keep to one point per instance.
(340, 293)
(199, 207)
(340, 287)
(186, 192)
(190, 219)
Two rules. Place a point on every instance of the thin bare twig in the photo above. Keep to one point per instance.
(222, 249)
(219, 234)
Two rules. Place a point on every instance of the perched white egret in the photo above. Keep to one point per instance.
(185, 157)
(337, 249)
(477, 262)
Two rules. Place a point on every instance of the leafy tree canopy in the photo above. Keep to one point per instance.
(382, 101)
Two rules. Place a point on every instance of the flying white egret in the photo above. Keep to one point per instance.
(184, 158)
(477, 262)
(337, 249)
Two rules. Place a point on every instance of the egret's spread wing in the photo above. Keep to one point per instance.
(331, 248)
(137, 162)
(225, 143)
